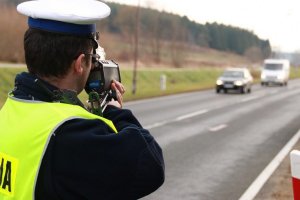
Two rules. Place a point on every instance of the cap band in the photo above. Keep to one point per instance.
(61, 27)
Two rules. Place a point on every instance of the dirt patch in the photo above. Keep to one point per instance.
(279, 186)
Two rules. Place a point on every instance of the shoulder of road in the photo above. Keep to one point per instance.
(279, 185)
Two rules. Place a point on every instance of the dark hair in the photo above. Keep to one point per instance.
(51, 54)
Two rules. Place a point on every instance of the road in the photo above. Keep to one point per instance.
(215, 145)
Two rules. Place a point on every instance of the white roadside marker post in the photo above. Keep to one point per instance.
(295, 171)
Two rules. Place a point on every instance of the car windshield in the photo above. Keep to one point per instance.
(235, 74)
(273, 67)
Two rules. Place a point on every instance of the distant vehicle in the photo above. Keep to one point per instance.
(239, 79)
(275, 71)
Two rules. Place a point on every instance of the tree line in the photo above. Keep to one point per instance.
(156, 26)
(161, 34)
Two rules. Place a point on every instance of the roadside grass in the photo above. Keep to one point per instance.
(7, 78)
(177, 81)
(148, 81)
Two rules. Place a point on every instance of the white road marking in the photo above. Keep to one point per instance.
(156, 124)
(259, 182)
(182, 117)
(273, 92)
(190, 115)
(217, 128)
(249, 98)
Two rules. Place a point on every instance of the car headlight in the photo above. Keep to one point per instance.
(280, 76)
(219, 82)
(262, 76)
(238, 83)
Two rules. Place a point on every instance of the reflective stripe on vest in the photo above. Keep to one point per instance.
(25, 130)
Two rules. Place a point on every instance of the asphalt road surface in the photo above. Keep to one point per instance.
(215, 145)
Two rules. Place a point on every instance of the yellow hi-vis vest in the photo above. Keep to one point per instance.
(25, 130)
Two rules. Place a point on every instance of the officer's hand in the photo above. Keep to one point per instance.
(120, 90)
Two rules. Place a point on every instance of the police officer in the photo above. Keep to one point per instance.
(51, 147)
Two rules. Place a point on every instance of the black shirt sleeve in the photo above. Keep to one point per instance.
(87, 160)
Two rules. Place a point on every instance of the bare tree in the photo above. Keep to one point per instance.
(156, 40)
(177, 45)
(136, 49)
(254, 54)
(126, 20)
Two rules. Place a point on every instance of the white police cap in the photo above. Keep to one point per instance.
(77, 17)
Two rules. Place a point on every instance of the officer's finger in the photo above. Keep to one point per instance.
(119, 86)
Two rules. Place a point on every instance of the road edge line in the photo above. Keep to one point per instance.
(262, 178)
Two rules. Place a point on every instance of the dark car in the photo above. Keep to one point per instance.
(238, 79)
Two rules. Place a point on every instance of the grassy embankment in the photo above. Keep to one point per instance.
(148, 81)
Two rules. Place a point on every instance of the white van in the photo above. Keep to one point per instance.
(275, 71)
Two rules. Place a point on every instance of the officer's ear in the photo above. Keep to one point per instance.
(78, 64)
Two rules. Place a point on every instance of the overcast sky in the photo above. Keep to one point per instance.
(276, 20)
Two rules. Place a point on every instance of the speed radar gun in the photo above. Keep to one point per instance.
(98, 86)
(295, 170)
